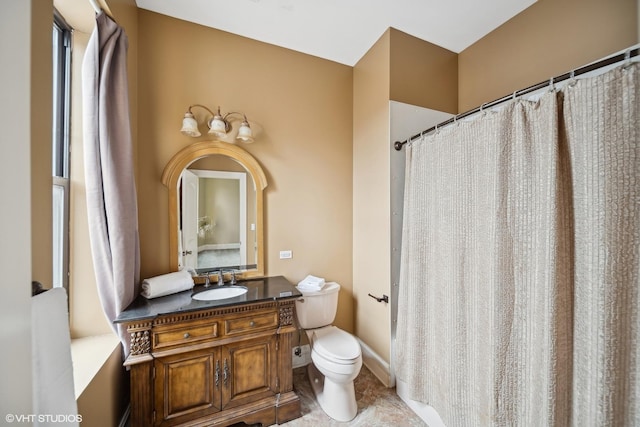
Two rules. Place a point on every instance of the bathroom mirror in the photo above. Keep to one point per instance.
(215, 209)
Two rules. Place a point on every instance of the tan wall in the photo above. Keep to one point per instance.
(548, 39)
(86, 315)
(371, 189)
(106, 397)
(401, 68)
(422, 73)
(301, 105)
(41, 180)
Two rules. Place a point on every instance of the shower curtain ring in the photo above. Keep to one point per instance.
(627, 60)
(572, 78)
(552, 87)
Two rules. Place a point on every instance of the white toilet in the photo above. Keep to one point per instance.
(336, 354)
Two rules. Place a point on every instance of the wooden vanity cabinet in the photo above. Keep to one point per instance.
(214, 367)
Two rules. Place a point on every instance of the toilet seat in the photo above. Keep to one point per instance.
(335, 354)
(336, 345)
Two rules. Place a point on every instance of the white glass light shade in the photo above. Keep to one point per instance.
(244, 133)
(218, 126)
(190, 126)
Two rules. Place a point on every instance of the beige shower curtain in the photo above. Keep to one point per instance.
(518, 301)
(602, 119)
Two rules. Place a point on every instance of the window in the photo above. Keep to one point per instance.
(60, 143)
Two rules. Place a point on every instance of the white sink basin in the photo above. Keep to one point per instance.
(220, 293)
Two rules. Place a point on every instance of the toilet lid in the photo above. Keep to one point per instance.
(336, 344)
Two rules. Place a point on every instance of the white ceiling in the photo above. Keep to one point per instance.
(343, 30)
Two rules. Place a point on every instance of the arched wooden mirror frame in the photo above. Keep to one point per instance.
(197, 151)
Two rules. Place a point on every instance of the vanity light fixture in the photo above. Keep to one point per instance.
(219, 125)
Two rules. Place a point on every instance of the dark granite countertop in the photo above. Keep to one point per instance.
(263, 289)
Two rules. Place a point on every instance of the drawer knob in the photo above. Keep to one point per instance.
(186, 335)
(252, 323)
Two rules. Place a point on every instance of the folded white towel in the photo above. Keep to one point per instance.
(166, 284)
(311, 283)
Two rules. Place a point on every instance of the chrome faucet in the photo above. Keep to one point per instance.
(220, 278)
(207, 280)
(221, 273)
(233, 277)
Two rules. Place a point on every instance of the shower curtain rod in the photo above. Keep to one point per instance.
(582, 70)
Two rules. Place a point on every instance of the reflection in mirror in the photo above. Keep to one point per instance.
(215, 209)
(217, 216)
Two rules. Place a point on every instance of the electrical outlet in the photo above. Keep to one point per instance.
(285, 254)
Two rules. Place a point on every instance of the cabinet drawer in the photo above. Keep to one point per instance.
(185, 335)
(255, 322)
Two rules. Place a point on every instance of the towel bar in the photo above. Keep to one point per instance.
(384, 298)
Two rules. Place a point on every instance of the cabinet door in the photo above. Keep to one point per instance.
(249, 371)
(187, 386)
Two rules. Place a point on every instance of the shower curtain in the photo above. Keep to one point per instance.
(518, 300)
(108, 161)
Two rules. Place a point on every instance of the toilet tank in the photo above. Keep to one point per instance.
(318, 309)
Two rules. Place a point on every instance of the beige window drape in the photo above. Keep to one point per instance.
(108, 161)
(518, 300)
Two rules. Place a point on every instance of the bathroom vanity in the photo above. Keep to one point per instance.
(219, 362)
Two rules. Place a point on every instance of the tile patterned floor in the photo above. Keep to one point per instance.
(378, 406)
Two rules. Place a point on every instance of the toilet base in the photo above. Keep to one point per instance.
(337, 400)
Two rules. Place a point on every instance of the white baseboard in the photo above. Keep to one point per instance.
(427, 413)
(124, 421)
(376, 364)
(305, 356)
(381, 369)
(218, 246)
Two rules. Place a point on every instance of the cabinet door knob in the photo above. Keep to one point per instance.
(186, 335)
(252, 323)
